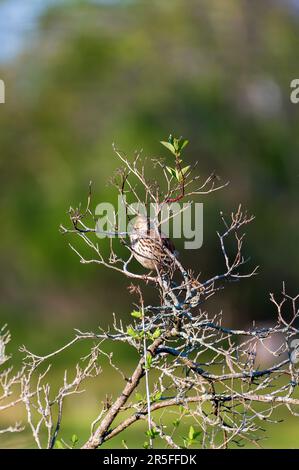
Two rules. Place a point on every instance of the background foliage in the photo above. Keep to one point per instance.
(89, 73)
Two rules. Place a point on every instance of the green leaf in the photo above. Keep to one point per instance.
(184, 170)
(136, 314)
(148, 361)
(183, 144)
(145, 445)
(131, 332)
(176, 422)
(152, 433)
(180, 173)
(156, 397)
(191, 433)
(170, 139)
(74, 439)
(169, 146)
(59, 445)
(176, 144)
(172, 171)
(156, 333)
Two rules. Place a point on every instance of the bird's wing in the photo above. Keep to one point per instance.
(168, 243)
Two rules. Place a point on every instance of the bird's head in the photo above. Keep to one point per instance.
(141, 223)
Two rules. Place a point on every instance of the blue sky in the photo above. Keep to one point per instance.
(17, 24)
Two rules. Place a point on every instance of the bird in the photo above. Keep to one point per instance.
(149, 245)
(197, 290)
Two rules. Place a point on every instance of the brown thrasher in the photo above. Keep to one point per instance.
(149, 245)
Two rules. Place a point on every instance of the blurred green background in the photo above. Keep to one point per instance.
(80, 75)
